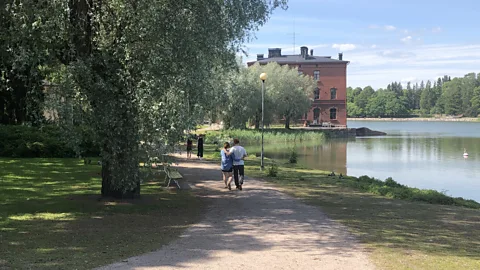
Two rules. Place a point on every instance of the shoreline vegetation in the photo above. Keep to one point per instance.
(218, 137)
(419, 119)
(428, 231)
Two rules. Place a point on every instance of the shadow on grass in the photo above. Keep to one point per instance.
(401, 226)
(58, 221)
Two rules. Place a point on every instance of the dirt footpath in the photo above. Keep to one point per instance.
(257, 228)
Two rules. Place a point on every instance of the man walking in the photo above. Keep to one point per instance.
(239, 153)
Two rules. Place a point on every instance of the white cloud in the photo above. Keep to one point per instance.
(436, 30)
(390, 27)
(385, 27)
(344, 47)
(373, 46)
(406, 39)
(396, 54)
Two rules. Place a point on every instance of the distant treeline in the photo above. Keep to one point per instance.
(457, 96)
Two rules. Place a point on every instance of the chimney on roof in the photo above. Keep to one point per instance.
(274, 52)
(304, 52)
(311, 52)
(340, 56)
(259, 57)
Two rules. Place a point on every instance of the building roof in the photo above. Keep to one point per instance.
(298, 59)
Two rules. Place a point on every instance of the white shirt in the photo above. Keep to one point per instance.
(238, 152)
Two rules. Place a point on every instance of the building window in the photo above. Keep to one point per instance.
(333, 113)
(333, 93)
(316, 93)
(300, 72)
(316, 75)
(316, 115)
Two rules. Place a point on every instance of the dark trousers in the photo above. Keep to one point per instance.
(200, 151)
(238, 170)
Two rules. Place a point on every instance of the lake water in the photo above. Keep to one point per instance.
(418, 154)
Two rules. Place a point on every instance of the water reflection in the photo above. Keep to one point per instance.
(328, 156)
(423, 155)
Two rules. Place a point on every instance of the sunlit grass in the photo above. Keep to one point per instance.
(44, 216)
(51, 216)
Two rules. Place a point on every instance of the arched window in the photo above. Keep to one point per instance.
(316, 93)
(316, 114)
(333, 113)
(333, 93)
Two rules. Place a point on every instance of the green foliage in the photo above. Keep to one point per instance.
(446, 96)
(272, 170)
(286, 95)
(26, 43)
(353, 110)
(452, 96)
(47, 141)
(293, 156)
(103, 61)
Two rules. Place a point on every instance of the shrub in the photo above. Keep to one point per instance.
(392, 183)
(293, 156)
(46, 141)
(272, 170)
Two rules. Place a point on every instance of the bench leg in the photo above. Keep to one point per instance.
(176, 182)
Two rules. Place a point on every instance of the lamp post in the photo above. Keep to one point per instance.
(263, 77)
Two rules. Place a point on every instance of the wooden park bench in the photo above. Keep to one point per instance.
(171, 174)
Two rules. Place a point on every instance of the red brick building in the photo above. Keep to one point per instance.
(329, 106)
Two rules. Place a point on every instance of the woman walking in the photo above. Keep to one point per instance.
(226, 165)
(189, 147)
(200, 147)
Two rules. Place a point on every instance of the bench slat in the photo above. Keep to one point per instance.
(175, 175)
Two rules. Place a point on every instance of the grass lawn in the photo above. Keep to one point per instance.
(51, 216)
(399, 234)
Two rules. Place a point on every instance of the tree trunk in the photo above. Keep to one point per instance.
(3, 116)
(287, 122)
(112, 189)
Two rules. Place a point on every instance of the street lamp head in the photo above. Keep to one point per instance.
(263, 76)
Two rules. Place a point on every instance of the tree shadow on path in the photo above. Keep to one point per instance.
(258, 227)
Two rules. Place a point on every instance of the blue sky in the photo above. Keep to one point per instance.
(388, 40)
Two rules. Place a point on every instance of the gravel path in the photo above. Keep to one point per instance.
(257, 228)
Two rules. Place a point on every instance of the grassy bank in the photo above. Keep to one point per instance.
(270, 135)
(51, 216)
(401, 234)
